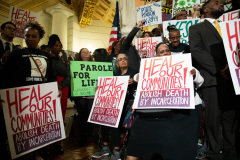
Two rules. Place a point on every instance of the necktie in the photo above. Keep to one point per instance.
(218, 27)
(7, 47)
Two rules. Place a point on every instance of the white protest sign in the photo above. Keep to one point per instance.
(33, 117)
(109, 100)
(165, 82)
(230, 16)
(20, 17)
(151, 14)
(147, 45)
(182, 26)
(231, 40)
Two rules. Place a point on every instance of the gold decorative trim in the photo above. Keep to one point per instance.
(87, 13)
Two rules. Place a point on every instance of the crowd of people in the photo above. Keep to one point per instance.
(155, 133)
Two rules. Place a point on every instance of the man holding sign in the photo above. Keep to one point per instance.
(207, 49)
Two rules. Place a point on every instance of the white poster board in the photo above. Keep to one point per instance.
(230, 16)
(147, 45)
(109, 100)
(33, 117)
(231, 40)
(165, 82)
(151, 14)
(20, 17)
(182, 26)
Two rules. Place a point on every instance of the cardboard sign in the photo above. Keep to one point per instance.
(183, 4)
(227, 7)
(33, 117)
(109, 100)
(84, 76)
(182, 26)
(165, 82)
(166, 14)
(231, 40)
(147, 45)
(20, 17)
(230, 16)
(151, 14)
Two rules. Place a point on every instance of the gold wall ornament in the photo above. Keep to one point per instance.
(86, 15)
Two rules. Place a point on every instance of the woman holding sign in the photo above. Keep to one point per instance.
(30, 65)
(166, 134)
(84, 105)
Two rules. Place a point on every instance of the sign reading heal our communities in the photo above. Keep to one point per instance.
(230, 16)
(151, 14)
(20, 17)
(182, 26)
(165, 82)
(33, 117)
(109, 99)
(231, 40)
(147, 45)
(84, 76)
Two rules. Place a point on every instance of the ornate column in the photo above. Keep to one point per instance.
(46, 23)
(60, 16)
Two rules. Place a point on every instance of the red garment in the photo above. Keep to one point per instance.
(64, 96)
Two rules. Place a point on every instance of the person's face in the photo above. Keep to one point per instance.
(215, 7)
(85, 54)
(9, 31)
(122, 61)
(174, 38)
(163, 50)
(146, 35)
(117, 47)
(31, 37)
(57, 47)
(181, 15)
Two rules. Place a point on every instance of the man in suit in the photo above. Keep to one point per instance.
(8, 30)
(208, 51)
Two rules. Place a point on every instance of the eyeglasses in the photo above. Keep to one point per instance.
(11, 28)
(173, 38)
(121, 59)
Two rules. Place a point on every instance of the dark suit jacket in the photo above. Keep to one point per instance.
(206, 46)
(70, 58)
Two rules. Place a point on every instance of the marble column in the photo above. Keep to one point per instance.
(60, 16)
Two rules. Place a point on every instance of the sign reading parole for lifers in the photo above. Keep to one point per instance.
(84, 76)
(109, 100)
(182, 26)
(33, 117)
(231, 40)
(147, 45)
(151, 14)
(165, 82)
(20, 17)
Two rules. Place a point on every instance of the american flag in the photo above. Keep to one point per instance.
(115, 34)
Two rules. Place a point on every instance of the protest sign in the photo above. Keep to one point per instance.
(165, 82)
(151, 14)
(183, 4)
(166, 13)
(231, 40)
(227, 7)
(147, 45)
(20, 17)
(182, 26)
(109, 99)
(33, 117)
(229, 16)
(84, 76)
